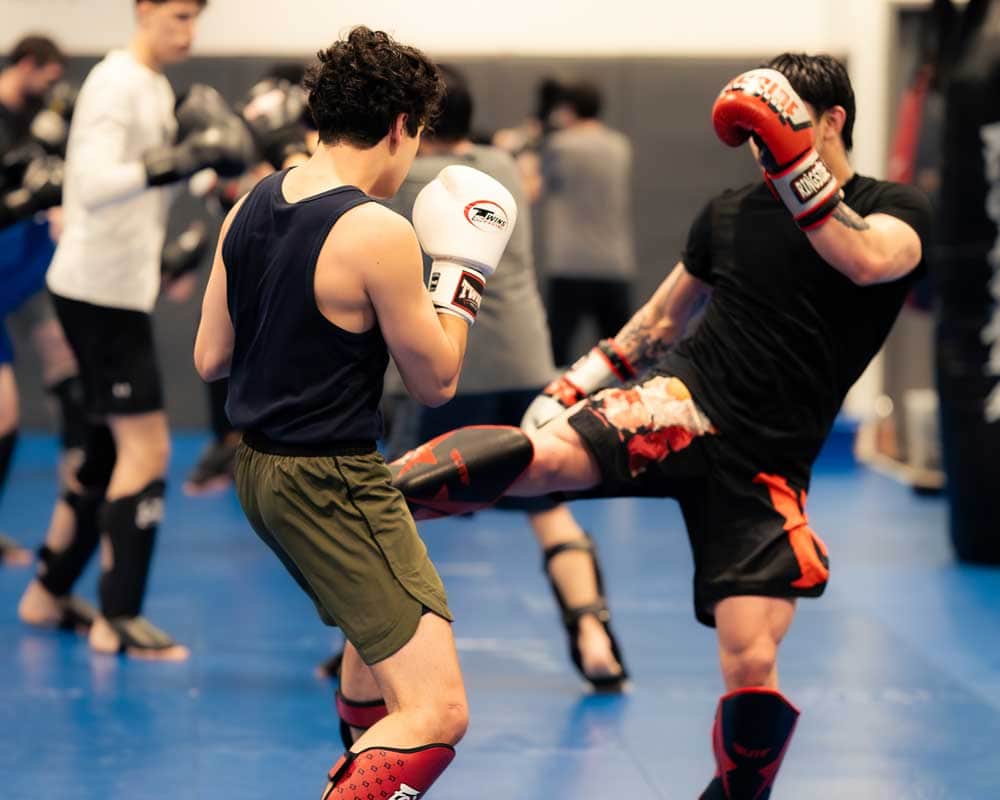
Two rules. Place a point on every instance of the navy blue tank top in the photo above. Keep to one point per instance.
(297, 381)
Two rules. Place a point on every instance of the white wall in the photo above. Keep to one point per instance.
(451, 27)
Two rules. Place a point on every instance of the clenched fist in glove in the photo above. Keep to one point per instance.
(463, 219)
(605, 365)
(762, 104)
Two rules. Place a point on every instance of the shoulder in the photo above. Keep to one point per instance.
(371, 233)
(107, 82)
(734, 198)
(906, 202)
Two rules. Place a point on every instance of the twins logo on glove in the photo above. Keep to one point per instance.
(486, 215)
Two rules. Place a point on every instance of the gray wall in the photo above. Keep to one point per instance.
(663, 104)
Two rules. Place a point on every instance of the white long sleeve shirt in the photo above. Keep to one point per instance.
(109, 251)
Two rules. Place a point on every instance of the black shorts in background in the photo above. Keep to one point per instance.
(114, 349)
(747, 526)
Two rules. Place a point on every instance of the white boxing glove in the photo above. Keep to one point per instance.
(463, 219)
(605, 365)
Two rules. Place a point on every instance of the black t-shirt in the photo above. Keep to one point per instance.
(785, 335)
(14, 131)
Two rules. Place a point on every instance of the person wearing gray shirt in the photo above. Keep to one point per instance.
(507, 361)
(589, 257)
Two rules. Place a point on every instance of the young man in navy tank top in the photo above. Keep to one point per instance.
(312, 288)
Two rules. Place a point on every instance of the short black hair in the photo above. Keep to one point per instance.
(584, 98)
(362, 83)
(821, 81)
(548, 95)
(454, 120)
(40, 49)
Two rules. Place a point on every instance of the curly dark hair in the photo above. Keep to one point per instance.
(821, 81)
(364, 82)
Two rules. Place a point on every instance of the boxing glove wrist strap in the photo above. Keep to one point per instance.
(808, 189)
(456, 289)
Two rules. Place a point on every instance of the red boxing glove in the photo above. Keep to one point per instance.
(761, 103)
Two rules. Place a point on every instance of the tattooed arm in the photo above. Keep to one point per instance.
(662, 320)
(875, 249)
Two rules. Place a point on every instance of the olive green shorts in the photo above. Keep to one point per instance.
(346, 536)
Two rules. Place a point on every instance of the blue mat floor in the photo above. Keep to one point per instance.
(896, 669)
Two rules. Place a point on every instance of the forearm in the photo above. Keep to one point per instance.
(447, 366)
(108, 185)
(867, 250)
(661, 322)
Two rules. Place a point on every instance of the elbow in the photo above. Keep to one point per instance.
(211, 366)
(435, 396)
(868, 271)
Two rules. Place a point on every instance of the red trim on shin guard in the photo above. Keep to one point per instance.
(464, 470)
(752, 730)
(387, 773)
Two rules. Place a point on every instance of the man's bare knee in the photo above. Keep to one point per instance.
(752, 665)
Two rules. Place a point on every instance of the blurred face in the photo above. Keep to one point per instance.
(169, 28)
(38, 80)
(826, 130)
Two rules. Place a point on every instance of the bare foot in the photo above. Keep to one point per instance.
(13, 555)
(595, 650)
(39, 607)
(105, 639)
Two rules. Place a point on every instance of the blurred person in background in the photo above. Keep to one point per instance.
(589, 258)
(33, 128)
(128, 147)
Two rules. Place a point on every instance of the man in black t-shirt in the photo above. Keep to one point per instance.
(29, 180)
(730, 419)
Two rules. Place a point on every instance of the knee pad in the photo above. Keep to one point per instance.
(752, 730)
(130, 524)
(99, 456)
(358, 714)
(399, 774)
(461, 471)
(73, 423)
(59, 570)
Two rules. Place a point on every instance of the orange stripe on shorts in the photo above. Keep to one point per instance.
(805, 543)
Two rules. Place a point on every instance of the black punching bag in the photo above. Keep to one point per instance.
(966, 274)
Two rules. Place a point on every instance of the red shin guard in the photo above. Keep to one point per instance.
(752, 731)
(464, 470)
(387, 773)
(358, 714)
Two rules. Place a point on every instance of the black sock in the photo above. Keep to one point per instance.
(130, 523)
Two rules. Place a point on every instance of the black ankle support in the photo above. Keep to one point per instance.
(130, 524)
(59, 570)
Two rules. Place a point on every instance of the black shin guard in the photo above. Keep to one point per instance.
(753, 728)
(59, 570)
(73, 424)
(7, 443)
(99, 457)
(464, 470)
(130, 524)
